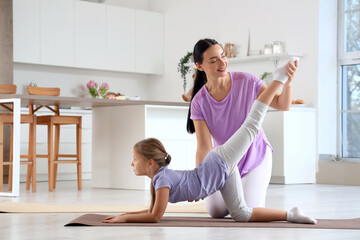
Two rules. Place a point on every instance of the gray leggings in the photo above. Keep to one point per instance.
(231, 152)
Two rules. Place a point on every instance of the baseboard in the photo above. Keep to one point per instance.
(277, 179)
(339, 173)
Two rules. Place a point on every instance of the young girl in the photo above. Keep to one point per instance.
(218, 171)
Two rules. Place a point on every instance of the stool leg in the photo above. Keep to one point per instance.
(29, 166)
(28, 176)
(50, 155)
(10, 159)
(78, 153)
(32, 146)
(56, 150)
(1, 157)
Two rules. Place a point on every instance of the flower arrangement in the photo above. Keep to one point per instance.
(95, 90)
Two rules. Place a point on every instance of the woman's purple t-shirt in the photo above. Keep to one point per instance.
(225, 117)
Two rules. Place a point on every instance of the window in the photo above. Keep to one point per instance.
(349, 62)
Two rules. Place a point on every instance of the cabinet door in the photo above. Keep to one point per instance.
(57, 32)
(90, 35)
(120, 39)
(26, 28)
(149, 42)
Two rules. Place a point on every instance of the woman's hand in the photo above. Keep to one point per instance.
(291, 69)
(114, 219)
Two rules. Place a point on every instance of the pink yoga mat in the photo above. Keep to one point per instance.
(95, 220)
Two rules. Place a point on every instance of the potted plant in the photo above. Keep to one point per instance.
(183, 68)
(267, 77)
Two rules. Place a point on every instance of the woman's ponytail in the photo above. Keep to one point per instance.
(199, 82)
(200, 47)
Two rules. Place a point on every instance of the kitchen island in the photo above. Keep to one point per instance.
(117, 125)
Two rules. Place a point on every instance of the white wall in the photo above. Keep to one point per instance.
(327, 78)
(70, 79)
(186, 21)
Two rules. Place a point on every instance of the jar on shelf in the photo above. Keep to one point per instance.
(268, 49)
(278, 47)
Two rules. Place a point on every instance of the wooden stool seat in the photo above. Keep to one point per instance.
(62, 120)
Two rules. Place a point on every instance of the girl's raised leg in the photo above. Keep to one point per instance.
(234, 149)
(238, 144)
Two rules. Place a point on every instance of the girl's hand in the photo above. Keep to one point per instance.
(195, 200)
(291, 69)
(114, 219)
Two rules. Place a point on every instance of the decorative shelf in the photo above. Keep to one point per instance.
(264, 57)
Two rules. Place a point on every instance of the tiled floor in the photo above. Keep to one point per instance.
(320, 201)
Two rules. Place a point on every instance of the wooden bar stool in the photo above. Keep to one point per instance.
(7, 118)
(55, 121)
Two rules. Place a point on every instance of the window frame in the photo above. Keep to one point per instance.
(344, 59)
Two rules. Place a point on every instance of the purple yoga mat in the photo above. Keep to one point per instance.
(95, 220)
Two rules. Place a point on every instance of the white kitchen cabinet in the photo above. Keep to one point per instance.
(57, 32)
(124, 126)
(90, 35)
(120, 39)
(149, 42)
(26, 30)
(82, 34)
(292, 135)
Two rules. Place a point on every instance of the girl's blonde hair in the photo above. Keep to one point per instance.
(152, 148)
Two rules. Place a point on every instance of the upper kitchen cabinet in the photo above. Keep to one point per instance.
(26, 28)
(90, 35)
(57, 32)
(120, 39)
(149, 42)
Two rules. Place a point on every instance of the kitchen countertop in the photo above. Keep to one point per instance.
(84, 102)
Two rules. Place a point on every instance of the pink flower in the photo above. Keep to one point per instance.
(94, 89)
(105, 86)
(91, 84)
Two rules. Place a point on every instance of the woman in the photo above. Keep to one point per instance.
(220, 103)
